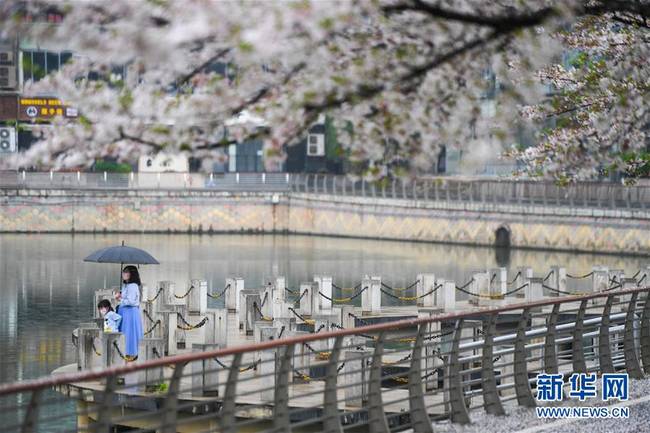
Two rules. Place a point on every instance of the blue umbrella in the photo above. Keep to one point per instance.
(122, 254)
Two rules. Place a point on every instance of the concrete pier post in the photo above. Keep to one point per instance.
(171, 297)
(355, 375)
(88, 347)
(242, 311)
(181, 334)
(216, 330)
(371, 296)
(324, 286)
(616, 277)
(197, 301)
(523, 274)
(498, 283)
(267, 300)
(599, 279)
(347, 320)
(301, 359)
(285, 325)
(111, 355)
(253, 302)
(170, 324)
(279, 289)
(267, 362)
(534, 290)
(150, 349)
(205, 373)
(323, 323)
(425, 284)
(234, 287)
(306, 299)
(157, 298)
(558, 279)
(478, 287)
(446, 298)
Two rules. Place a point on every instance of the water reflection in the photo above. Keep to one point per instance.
(46, 288)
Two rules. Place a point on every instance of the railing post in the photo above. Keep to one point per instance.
(377, 422)
(420, 421)
(331, 416)
(363, 187)
(578, 353)
(227, 418)
(393, 189)
(550, 358)
(170, 406)
(491, 400)
(522, 385)
(31, 415)
(459, 412)
(403, 188)
(103, 424)
(281, 419)
(605, 362)
(645, 334)
(629, 348)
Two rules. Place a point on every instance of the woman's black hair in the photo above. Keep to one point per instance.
(134, 276)
(105, 303)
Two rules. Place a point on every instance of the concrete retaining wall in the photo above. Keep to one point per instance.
(205, 211)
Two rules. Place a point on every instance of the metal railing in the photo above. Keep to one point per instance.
(388, 376)
(481, 191)
(599, 195)
(146, 181)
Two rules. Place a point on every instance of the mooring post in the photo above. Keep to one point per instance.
(446, 298)
(599, 279)
(523, 274)
(150, 349)
(267, 300)
(279, 289)
(253, 301)
(170, 324)
(534, 290)
(216, 329)
(498, 282)
(478, 287)
(267, 362)
(424, 290)
(171, 297)
(301, 359)
(285, 325)
(347, 316)
(205, 372)
(243, 308)
(306, 298)
(324, 286)
(112, 349)
(233, 288)
(355, 376)
(197, 301)
(558, 280)
(371, 295)
(88, 346)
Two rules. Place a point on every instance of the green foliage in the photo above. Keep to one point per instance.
(112, 167)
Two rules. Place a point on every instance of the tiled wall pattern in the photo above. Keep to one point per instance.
(97, 212)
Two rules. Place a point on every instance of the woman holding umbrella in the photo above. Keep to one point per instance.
(129, 298)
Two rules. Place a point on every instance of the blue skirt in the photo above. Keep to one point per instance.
(131, 327)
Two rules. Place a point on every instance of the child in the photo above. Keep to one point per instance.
(112, 320)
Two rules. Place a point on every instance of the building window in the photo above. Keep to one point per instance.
(38, 63)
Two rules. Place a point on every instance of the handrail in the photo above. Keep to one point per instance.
(51, 381)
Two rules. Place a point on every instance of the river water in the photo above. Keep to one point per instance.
(46, 289)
